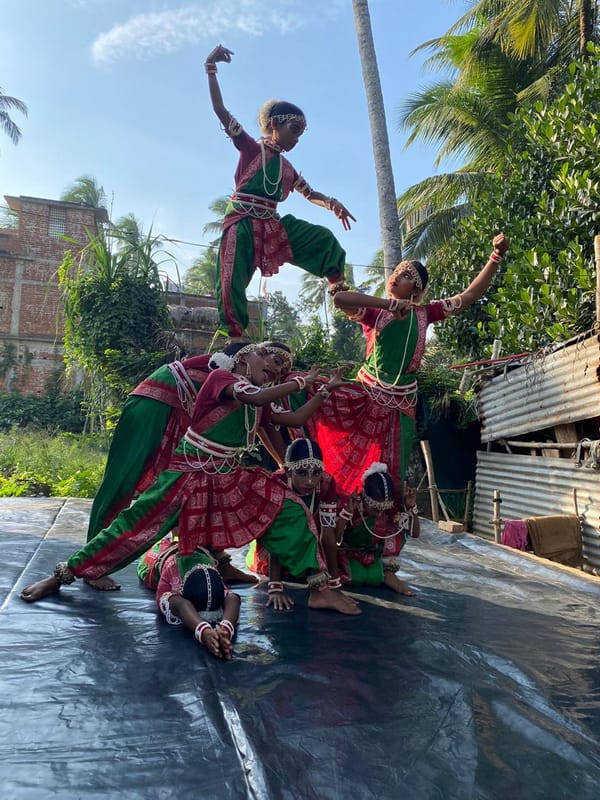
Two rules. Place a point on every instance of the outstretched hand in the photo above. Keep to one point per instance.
(312, 375)
(500, 244)
(336, 379)
(342, 213)
(220, 53)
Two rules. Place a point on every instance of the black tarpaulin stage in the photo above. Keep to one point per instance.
(486, 685)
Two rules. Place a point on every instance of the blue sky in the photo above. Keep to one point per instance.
(116, 89)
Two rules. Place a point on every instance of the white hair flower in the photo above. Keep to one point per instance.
(375, 467)
(221, 361)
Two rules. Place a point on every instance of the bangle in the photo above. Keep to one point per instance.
(334, 583)
(225, 623)
(413, 510)
(274, 587)
(329, 201)
(323, 391)
(199, 630)
(345, 515)
(495, 257)
(300, 381)
(393, 304)
(210, 68)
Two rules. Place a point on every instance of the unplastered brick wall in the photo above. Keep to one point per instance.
(31, 319)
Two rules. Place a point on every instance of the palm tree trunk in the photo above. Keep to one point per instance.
(586, 24)
(388, 214)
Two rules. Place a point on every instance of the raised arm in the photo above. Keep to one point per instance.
(350, 302)
(220, 53)
(480, 284)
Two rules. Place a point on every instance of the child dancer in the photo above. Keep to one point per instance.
(189, 590)
(254, 235)
(304, 474)
(375, 528)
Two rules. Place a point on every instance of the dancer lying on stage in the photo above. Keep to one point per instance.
(190, 590)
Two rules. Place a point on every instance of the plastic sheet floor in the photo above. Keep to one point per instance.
(485, 685)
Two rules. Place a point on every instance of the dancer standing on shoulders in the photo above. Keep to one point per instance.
(254, 235)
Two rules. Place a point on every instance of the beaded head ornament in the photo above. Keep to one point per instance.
(285, 355)
(387, 503)
(280, 111)
(224, 361)
(418, 273)
(204, 588)
(303, 454)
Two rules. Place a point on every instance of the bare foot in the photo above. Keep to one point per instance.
(231, 574)
(35, 591)
(394, 583)
(103, 584)
(335, 601)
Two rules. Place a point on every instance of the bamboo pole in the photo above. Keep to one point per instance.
(468, 503)
(433, 492)
(497, 520)
(597, 258)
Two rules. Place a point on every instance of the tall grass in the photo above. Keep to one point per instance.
(40, 463)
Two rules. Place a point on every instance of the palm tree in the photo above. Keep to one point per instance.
(201, 277)
(219, 208)
(128, 230)
(388, 215)
(10, 128)
(500, 56)
(86, 191)
(376, 277)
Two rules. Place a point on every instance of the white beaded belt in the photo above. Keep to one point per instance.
(254, 205)
(386, 394)
(214, 456)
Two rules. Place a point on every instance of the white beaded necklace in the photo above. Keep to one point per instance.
(376, 535)
(400, 372)
(267, 182)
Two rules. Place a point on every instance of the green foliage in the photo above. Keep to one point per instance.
(316, 347)
(283, 319)
(439, 395)
(548, 203)
(347, 340)
(201, 277)
(35, 463)
(115, 312)
(54, 411)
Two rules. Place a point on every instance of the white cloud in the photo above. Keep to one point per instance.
(144, 36)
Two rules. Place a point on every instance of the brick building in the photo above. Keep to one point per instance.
(31, 325)
(31, 322)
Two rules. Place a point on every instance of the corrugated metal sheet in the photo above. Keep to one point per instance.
(537, 486)
(549, 389)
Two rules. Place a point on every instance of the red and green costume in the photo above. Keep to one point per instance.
(153, 419)
(373, 418)
(215, 502)
(371, 545)
(256, 237)
(322, 501)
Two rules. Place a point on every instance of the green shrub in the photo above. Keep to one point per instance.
(54, 411)
(39, 463)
